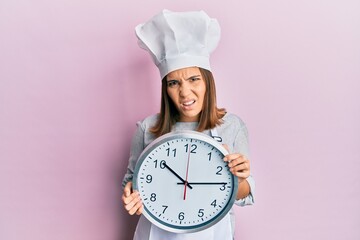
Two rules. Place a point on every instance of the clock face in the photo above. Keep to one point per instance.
(184, 183)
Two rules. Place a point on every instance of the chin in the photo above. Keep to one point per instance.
(191, 117)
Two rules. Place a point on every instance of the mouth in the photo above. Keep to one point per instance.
(188, 103)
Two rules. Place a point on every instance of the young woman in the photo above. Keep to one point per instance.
(188, 102)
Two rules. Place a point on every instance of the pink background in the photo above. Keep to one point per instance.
(73, 82)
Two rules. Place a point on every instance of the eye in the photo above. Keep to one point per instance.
(193, 79)
(172, 83)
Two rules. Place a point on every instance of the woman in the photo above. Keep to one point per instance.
(180, 44)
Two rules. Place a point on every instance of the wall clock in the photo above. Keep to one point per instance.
(184, 183)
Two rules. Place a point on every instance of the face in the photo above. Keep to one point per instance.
(186, 88)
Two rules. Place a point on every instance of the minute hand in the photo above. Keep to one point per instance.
(204, 183)
(177, 175)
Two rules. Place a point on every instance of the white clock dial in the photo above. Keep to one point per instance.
(184, 183)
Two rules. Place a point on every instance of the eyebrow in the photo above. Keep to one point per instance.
(172, 79)
(195, 76)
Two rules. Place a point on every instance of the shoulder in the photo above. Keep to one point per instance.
(234, 133)
(148, 122)
(144, 126)
(233, 125)
(233, 120)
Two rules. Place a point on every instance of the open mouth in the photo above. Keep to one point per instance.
(188, 103)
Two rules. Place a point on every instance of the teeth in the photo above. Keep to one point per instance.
(188, 103)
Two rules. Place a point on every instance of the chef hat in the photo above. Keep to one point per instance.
(178, 40)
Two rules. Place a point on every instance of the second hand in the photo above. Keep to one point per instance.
(187, 173)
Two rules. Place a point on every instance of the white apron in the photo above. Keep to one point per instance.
(145, 230)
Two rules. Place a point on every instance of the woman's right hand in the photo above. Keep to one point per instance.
(132, 201)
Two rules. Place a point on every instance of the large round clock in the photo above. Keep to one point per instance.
(184, 183)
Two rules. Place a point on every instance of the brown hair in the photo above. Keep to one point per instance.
(210, 114)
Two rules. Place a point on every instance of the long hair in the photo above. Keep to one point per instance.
(210, 115)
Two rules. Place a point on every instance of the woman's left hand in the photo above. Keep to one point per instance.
(239, 165)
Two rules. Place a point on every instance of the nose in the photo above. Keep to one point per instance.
(185, 89)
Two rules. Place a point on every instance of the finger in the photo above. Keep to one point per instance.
(236, 160)
(244, 167)
(127, 189)
(140, 210)
(240, 168)
(132, 203)
(135, 208)
(242, 175)
(130, 198)
(240, 161)
(233, 156)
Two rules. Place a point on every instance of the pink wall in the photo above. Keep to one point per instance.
(73, 82)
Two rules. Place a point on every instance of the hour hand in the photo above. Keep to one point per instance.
(177, 175)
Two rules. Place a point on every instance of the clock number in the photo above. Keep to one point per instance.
(220, 169)
(223, 187)
(214, 203)
(165, 207)
(168, 152)
(181, 216)
(153, 197)
(209, 154)
(201, 212)
(162, 164)
(149, 178)
(193, 148)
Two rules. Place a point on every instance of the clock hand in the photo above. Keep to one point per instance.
(204, 183)
(177, 175)
(187, 173)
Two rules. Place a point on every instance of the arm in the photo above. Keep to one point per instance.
(131, 199)
(240, 167)
(243, 189)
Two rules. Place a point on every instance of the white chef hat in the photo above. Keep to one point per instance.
(178, 40)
